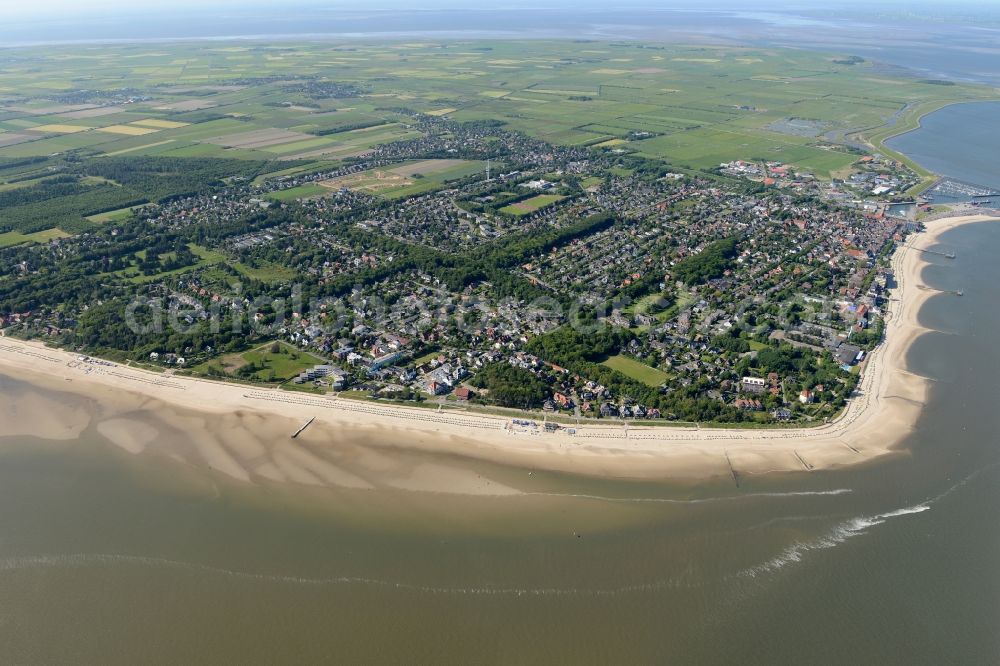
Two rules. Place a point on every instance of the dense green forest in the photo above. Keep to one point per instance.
(509, 386)
(710, 263)
(99, 185)
(161, 178)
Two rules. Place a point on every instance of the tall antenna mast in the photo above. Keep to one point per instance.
(487, 169)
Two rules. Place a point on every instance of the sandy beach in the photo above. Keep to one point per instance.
(245, 432)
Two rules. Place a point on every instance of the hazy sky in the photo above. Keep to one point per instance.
(80, 6)
(22, 9)
(84, 6)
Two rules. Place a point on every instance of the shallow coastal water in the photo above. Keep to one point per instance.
(108, 557)
(961, 141)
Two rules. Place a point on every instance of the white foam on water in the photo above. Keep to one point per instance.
(702, 500)
(793, 553)
(854, 527)
(111, 560)
(838, 535)
(903, 512)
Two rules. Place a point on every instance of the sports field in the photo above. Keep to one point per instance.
(636, 370)
(407, 179)
(529, 206)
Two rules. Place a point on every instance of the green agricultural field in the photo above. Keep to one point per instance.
(300, 146)
(708, 147)
(10, 238)
(305, 169)
(46, 235)
(541, 91)
(19, 184)
(114, 215)
(636, 370)
(301, 192)
(298, 105)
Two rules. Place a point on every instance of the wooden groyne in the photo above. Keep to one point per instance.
(304, 426)
(946, 255)
(953, 292)
(808, 467)
(732, 470)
